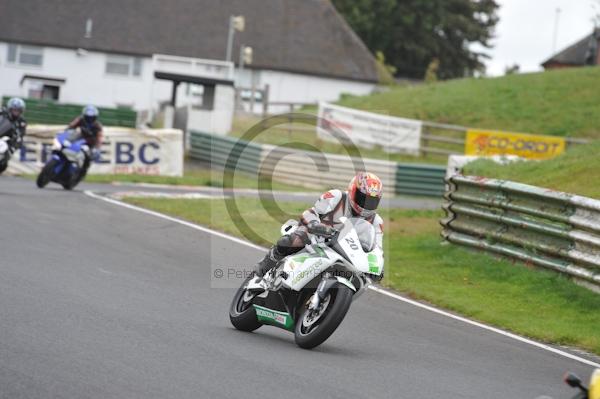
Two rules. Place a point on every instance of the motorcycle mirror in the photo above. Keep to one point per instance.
(572, 380)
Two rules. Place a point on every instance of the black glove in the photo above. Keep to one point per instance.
(320, 229)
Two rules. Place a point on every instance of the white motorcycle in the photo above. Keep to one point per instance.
(310, 291)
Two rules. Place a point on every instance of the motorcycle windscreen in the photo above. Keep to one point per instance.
(70, 134)
(365, 232)
(73, 135)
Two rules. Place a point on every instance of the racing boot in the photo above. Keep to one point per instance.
(268, 262)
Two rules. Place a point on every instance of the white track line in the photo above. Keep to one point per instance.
(213, 189)
(374, 288)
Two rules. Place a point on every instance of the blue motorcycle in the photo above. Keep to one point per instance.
(67, 166)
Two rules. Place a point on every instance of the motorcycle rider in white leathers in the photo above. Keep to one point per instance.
(360, 200)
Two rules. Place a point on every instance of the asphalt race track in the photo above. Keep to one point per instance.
(100, 301)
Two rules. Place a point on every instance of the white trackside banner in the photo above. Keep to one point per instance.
(123, 151)
(367, 129)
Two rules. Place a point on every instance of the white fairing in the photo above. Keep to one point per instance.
(357, 240)
(304, 266)
(77, 157)
(350, 243)
(70, 154)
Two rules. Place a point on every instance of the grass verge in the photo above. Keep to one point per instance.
(196, 177)
(535, 303)
(574, 171)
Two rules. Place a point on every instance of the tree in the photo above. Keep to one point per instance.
(431, 74)
(596, 10)
(413, 33)
(511, 70)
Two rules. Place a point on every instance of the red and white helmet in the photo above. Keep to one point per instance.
(364, 193)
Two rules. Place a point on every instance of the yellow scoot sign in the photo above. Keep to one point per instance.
(485, 142)
(594, 388)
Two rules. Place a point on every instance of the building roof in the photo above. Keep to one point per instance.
(302, 36)
(582, 52)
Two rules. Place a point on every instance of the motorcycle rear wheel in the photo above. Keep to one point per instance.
(241, 313)
(46, 174)
(338, 303)
(3, 166)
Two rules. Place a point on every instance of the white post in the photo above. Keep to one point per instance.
(241, 61)
(238, 92)
(252, 92)
(230, 38)
(235, 23)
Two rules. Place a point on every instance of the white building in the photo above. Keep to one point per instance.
(104, 52)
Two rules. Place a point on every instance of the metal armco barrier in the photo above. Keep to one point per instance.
(314, 169)
(217, 149)
(419, 179)
(551, 229)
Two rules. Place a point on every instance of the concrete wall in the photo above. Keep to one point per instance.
(293, 87)
(218, 120)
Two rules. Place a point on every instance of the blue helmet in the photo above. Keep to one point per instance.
(90, 114)
(16, 107)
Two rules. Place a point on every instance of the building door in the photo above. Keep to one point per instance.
(50, 92)
(41, 87)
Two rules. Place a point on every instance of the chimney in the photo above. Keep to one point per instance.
(88, 28)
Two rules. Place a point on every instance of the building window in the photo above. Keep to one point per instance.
(137, 66)
(12, 53)
(123, 65)
(25, 55)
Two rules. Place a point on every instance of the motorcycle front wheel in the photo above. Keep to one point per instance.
(46, 174)
(75, 180)
(313, 327)
(72, 181)
(241, 312)
(3, 166)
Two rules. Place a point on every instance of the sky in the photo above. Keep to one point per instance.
(524, 34)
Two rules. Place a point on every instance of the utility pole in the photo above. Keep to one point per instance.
(556, 19)
(235, 23)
